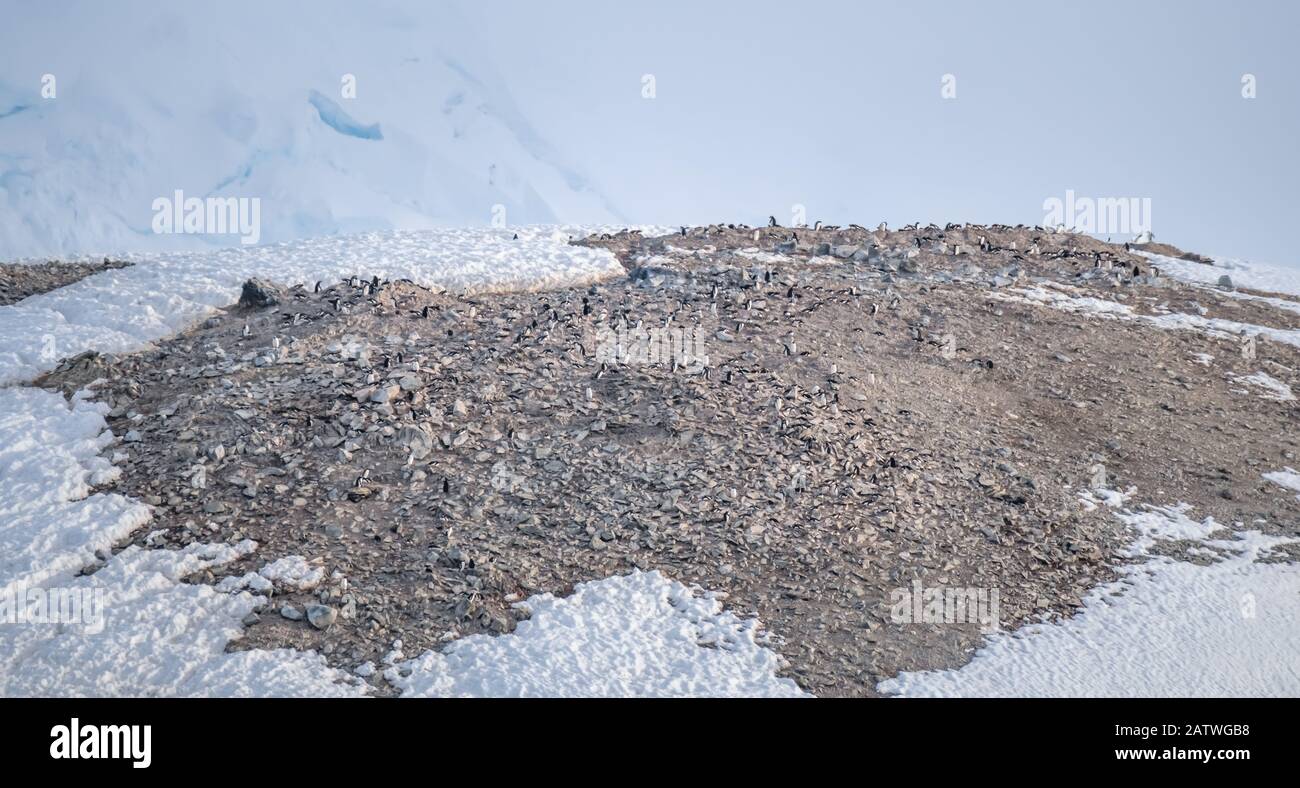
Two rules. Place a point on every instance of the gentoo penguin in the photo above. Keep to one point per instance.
(817, 225)
(771, 221)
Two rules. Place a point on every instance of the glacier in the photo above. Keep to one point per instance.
(243, 99)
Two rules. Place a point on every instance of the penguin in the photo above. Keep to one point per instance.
(424, 313)
(771, 222)
(516, 238)
(317, 290)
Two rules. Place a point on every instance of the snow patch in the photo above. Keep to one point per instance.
(1256, 276)
(636, 635)
(1100, 307)
(1273, 388)
(1288, 478)
(50, 457)
(1165, 628)
(162, 637)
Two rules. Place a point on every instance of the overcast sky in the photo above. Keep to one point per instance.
(837, 106)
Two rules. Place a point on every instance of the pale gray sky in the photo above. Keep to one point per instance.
(837, 106)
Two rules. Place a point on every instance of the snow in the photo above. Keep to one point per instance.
(1058, 296)
(293, 573)
(1091, 499)
(1047, 296)
(49, 460)
(259, 108)
(290, 573)
(161, 637)
(1287, 477)
(157, 636)
(639, 635)
(1273, 388)
(1285, 304)
(127, 308)
(1256, 276)
(1165, 628)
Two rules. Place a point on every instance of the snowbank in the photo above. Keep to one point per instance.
(639, 635)
(1166, 628)
(1256, 276)
(49, 459)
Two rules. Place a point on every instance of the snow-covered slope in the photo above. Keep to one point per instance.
(1243, 273)
(1165, 628)
(245, 99)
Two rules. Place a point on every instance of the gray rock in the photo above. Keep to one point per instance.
(290, 612)
(322, 616)
(385, 394)
(259, 294)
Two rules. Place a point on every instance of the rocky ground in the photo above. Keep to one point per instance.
(18, 281)
(875, 407)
